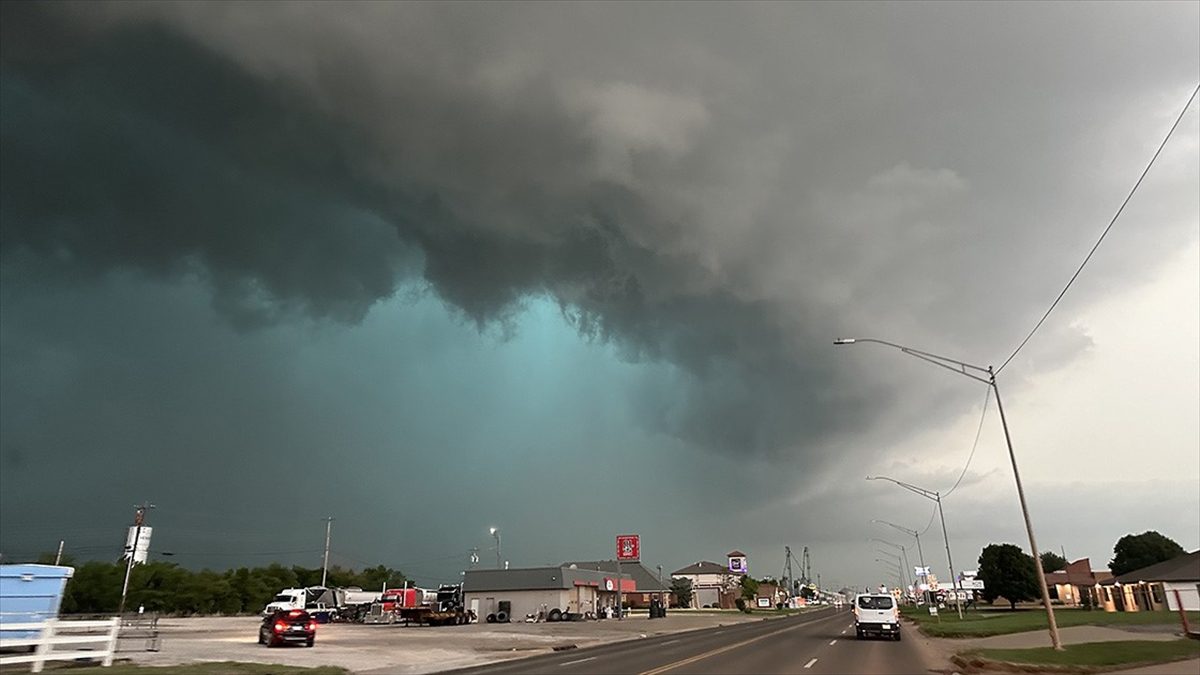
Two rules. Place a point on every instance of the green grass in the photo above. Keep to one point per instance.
(1096, 654)
(222, 668)
(997, 621)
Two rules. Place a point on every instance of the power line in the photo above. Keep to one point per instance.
(1105, 233)
(982, 416)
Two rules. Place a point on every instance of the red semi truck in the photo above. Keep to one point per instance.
(443, 607)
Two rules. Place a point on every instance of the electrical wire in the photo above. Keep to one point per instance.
(1103, 234)
(987, 397)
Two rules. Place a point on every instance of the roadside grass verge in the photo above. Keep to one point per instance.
(988, 622)
(221, 668)
(1085, 657)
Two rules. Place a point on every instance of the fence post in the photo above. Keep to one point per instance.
(43, 647)
(114, 632)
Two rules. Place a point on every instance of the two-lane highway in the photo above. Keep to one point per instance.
(817, 642)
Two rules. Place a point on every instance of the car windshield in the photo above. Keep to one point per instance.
(875, 602)
(282, 598)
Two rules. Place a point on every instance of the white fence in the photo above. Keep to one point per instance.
(54, 633)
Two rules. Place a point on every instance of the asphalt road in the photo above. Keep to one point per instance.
(815, 642)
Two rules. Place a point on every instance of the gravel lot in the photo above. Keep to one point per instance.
(399, 649)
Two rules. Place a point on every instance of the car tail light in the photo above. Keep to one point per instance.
(280, 626)
(312, 625)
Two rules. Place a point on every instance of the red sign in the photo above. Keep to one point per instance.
(628, 547)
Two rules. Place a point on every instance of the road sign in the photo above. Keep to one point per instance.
(628, 547)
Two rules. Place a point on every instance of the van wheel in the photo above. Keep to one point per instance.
(897, 637)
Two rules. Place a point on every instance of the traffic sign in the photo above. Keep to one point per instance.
(628, 547)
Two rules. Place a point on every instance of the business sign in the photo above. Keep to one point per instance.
(971, 584)
(142, 550)
(764, 602)
(628, 547)
(737, 564)
(921, 571)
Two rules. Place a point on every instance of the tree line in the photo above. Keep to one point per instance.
(167, 588)
(1009, 572)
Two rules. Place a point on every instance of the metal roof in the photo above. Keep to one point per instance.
(1181, 568)
(645, 578)
(703, 567)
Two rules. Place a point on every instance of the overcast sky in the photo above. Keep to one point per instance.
(574, 270)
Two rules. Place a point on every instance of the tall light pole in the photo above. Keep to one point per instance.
(495, 531)
(976, 373)
(325, 559)
(916, 535)
(903, 562)
(903, 553)
(936, 497)
(895, 568)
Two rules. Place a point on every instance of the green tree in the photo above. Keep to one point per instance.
(1052, 562)
(1008, 572)
(1135, 551)
(749, 589)
(682, 588)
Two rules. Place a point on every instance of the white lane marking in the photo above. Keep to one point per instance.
(843, 631)
(571, 663)
(670, 642)
(833, 643)
(810, 663)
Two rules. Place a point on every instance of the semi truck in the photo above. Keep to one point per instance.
(325, 604)
(443, 607)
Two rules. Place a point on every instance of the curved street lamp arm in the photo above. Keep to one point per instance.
(928, 494)
(905, 530)
(960, 367)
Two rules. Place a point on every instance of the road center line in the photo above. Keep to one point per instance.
(722, 650)
(571, 663)
(833, 643)
(810, 663)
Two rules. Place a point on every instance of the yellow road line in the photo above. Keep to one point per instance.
(722, 650)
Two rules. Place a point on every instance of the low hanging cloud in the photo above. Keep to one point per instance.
(307, 159)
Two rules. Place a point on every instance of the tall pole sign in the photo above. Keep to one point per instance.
(629, 547)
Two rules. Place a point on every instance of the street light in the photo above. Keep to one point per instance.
(903, 553)
(895, 568)
(899, 563)
(495, 532)
(976, 374)
(920, 554)
(936, 497)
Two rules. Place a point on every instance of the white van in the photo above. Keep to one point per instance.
(876, 614)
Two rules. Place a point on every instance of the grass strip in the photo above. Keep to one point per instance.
(988, 622)
(1088, 656)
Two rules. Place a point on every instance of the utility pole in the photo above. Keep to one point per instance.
(139, 519)
(325, 562)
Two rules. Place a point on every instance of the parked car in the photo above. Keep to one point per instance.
(287, 626)
(876, 614)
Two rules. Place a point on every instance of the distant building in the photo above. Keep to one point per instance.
(711, 584)
(1077, 585)
(1157, 586)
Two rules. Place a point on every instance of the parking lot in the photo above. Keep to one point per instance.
(378, 649)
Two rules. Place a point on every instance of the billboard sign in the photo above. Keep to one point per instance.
(921, 571)
(142, 551)
(628, 547)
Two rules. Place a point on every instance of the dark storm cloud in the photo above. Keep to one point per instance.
(142, 149)
(723, 208)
